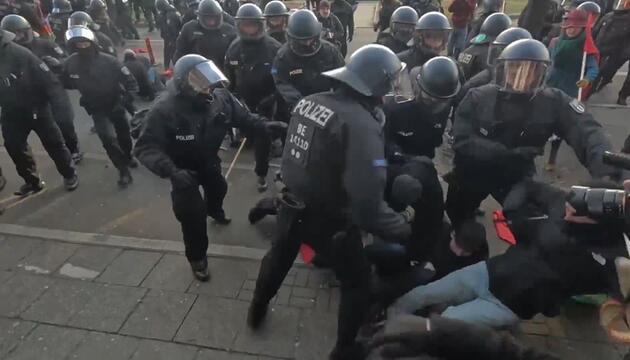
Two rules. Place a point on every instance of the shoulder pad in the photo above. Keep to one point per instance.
(479, 39)
(577, 106)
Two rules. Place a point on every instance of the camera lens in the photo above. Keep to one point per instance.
(597, 203)
(577, 199)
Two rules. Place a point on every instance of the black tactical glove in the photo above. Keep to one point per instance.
(54, 64)
(184, 179)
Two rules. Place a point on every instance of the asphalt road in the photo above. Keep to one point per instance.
(144, 210)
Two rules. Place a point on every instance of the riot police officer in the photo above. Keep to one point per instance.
(429, 39)
(505, 38)
(276, 18)
(343, 11)
(334, 169)
(58, 20)
(474, 58)
(27, 88)
(248, 67)
(415, 128)
(208, 36)
(124, 21)
(52, 55)
(300, 62)
(81, 18)
(100, 79)
(501, 127)
(400, 31)
(98, 12)
(191, 11)
(183, 133)
(332, 30)
(487, 8)
(170, 23)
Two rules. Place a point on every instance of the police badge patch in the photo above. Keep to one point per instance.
(464, 58)
(577, 106)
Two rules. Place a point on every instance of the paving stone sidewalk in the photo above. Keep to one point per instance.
(66, 301)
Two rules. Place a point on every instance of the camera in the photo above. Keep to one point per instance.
(603, 203)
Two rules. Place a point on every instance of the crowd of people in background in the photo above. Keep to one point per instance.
(358, 139)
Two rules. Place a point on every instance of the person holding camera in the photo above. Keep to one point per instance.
(500, 128)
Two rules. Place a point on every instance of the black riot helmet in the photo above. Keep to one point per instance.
(250, 22)
(505, 38)
(61, 7)
(495, 24)
(276, 15)
(81, 18)
(491, 6)
(373, 70)
(192, 3)
(97, 8)
(522, 67)
(431, 33)
(303, 32)
(402, 23)
(82, 40)
(18, 26)
(197, 77)
(164, 6)
(439, 78)
(210, 14)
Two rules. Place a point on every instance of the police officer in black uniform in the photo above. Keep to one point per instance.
(297, 69)
(332, 30)
(487, 8)
(505, 38)
(474, 58)
(415, 128)
(52, 55)
(27, 88)
(230, 6)
(170, 23)
(58, 20)
(100, 79)
(208, 36)
(191, 11)
(343, 11)
(334, 169)
(124, 21)
(81, 18)
(276, 18)
(429, 39)
(98, 11)
(181, 140)
(501, 127)
(248, 64)
(400, 31)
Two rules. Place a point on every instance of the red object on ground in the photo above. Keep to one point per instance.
(501, 226)
(147, 41)
(307, 253)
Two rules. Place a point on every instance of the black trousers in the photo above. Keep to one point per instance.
(112, 127)
(610, 66)
(347, 257)
(169, 51)
(125, 24)
(191, 210)
(64, 117)
(17, 125)
(148, 16)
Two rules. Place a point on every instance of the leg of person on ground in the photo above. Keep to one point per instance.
(489, 312)
(456, 288)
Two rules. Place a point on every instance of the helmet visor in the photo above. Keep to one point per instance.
(493, 53)
(210, 22)
(402, 32)
(432, 40)
(76, 21)
(250, 29)
(520, 76)
(305, 47)
(276, 23)
(79, 34)
(205, 77)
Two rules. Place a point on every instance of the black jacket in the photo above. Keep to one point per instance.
(482, 78)
(386, 39)
(248, 67)
(412, 129)
(49, 52)
(614, 32)
(332, 30)
(414, 56)
(297, 77)
(181, 133)
(490, 124)
(279, 36)
(26, 83)
(474, 59)
(334, 161)
(101, 79)
(169, 23)
(343, 11)
(212, 44)
(139, 70)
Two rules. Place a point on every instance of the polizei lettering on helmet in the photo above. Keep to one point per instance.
(315, 112)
